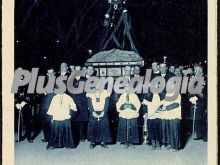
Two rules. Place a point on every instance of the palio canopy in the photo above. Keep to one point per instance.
(115, 57)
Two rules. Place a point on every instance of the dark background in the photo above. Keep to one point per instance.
(64, 31)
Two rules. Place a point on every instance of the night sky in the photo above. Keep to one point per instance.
(48, 32)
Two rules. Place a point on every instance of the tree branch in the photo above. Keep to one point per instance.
(28, 14)
(86, 12)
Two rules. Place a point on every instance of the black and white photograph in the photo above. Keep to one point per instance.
(120, 82)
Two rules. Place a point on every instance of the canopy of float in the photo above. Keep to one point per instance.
(115, 57)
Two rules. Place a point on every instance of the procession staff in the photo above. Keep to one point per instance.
(98, 126)
(128, 107)
(61, 132)
(194, 107)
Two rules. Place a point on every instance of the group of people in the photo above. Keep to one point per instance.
(106, 118)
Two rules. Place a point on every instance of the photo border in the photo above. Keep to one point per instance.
(8, 73)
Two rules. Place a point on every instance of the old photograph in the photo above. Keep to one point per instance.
(118, 82)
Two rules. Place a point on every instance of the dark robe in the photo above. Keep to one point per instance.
(82, 114)
(61, 135)
(186, 123)
(200, 114)
(80, 118)
(99, 130)
(174, 134)
(128, 131)
(61, 131)
(26, 113)
(172, 129)
(128, 128)
(165, 124)
(142, 111)
(148, 96)
(154, 127)
(45, 118)
(113, 115)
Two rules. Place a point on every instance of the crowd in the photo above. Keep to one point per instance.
(104, 118)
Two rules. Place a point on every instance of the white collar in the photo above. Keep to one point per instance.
(163, 75)
(128, 77)
(156, 72)
(63, 74)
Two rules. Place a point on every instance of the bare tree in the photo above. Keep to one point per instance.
(72, 23)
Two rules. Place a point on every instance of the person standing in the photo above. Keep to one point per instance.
(81, 117)
(172, 69)
(178, 72)
(23, 112)
(198, 110)
(128, 107)
(154, 120)
(171, 111)
(155, 69)
(72, 68)
(164, 122)
(61, 132)
(127, 72)
(64, 69)
(98, 126)
(45, 103)
(90, 72)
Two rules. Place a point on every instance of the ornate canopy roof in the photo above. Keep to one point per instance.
(116, 56)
